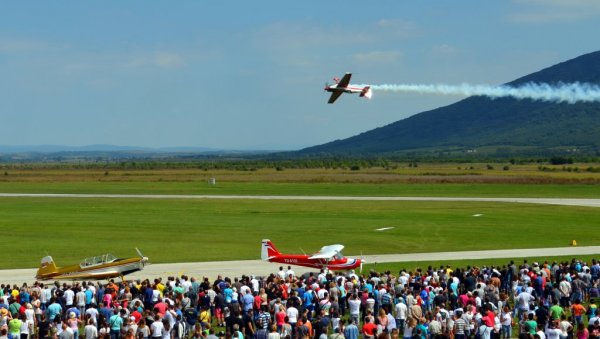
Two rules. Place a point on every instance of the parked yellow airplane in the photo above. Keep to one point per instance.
(99, 267)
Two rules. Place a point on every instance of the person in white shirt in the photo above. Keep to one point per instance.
(185, 283)
(401, 311)
(290, 272)
(69, 296)
(93, 313)
(391, 324)
(523, 300)
(281, 273)
(80, 300)
(354, 305)
(255, 284)
(157, 328)
(292, 314)
(90, 330)
(553, 330)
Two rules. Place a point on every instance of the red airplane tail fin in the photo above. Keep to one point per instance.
(366, 92)
(268, 250)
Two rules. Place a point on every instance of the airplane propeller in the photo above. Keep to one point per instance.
(362, 260)
(144, 259)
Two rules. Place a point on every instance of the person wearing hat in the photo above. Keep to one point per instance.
(4, 317)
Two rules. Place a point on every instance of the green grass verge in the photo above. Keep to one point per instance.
(191, 230)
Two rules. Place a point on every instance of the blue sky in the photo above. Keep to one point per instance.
(250, 74)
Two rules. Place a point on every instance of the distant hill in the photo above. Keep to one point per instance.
(503, 126)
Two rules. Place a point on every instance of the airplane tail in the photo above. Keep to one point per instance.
(367, 92)
(47, 268)
(268, 250)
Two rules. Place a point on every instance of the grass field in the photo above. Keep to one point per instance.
(204, 230)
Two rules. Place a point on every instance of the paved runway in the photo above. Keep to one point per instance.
(259, 267)
(551, 201)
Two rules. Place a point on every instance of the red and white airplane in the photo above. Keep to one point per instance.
(344, 86)
(329, 257)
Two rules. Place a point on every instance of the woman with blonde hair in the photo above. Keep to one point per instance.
(409, 328)
(382, 321)
(274, 334)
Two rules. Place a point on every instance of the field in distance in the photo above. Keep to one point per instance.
(427, 179)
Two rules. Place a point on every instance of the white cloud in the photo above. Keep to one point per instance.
(378, 57)
(549, 11)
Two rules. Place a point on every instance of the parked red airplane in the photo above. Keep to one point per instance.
(329, 257)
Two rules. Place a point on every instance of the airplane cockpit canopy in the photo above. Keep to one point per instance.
(97, 260)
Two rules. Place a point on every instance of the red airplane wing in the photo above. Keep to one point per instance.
(345, 81)
(334, 96)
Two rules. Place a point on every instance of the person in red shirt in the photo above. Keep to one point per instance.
(369, 329)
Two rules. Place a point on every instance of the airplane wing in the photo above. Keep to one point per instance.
(345, 80)
(334, 97)
(327, 252)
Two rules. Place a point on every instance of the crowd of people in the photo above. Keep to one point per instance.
(529, 301)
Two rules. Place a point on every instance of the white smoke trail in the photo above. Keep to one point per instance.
(570, 93)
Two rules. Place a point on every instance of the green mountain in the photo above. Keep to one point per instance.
(504, 126)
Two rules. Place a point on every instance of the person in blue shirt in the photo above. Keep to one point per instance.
(351, 331)
(53, 310)
(228, 294)
(307, 299)
(247, 302)
(24, 297)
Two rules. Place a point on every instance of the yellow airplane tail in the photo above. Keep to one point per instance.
(47, 268)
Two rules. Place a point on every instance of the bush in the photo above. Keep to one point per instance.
(560, 160)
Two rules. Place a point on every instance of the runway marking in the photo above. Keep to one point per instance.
(551, 201)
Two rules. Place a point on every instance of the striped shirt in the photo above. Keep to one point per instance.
(460, 325)
(351, 332)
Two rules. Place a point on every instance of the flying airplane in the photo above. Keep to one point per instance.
(329, 257)
(99, 267)
(344, 86)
